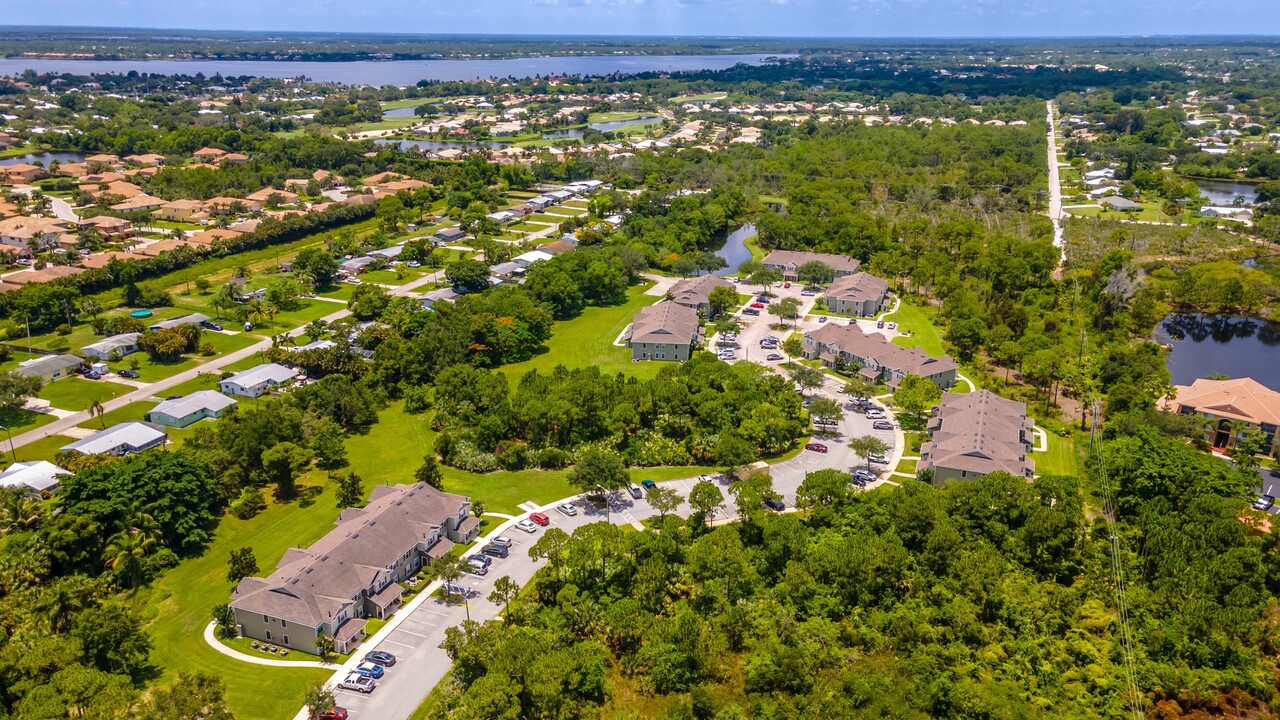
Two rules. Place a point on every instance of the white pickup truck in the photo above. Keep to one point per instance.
(359, 683)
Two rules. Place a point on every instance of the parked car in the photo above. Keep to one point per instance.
(750, 311)
(816, 447)
(1264, 503)
(773, 357)
(857, 481)
(211, 325)
(93, 375)
(864, 474)
(808, 293)
(476, 568)
(762, 299)
(892, 326)
(333, 713)
(874, 413)
(877, 458)
(786, 285)
(635, 491)
(352, 281)
(495, 550)
(822, 319)
(502, 540)
(757, 305)
(882, 425)
(381, 657)
(359, 683)
(527, 526)
(879, 323)
(456, 589)
(370, 669)
(775, 504)
(567, 508)
(131, 374)
(481, 559)
(649, 485)
(414, 264)
(541, 519)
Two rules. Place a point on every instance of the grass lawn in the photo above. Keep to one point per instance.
(388, 277)
(340, 292)
(703, 96)
(42, 449)
(128, 413)
(587, 340)
(907, 466)
(529, 226)
(915, 320)
(202, 381)
(1061, 457)
(77, 394)
(150, 370)
(19, 420)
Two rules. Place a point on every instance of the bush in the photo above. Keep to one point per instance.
(515, 455)
(59, 344)
(467, 456)
(63, 329)
(249, 503)
(417, 399)
(208, 350)
(553, 458)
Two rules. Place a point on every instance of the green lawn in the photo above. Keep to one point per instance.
(128, 413)
(19, 420)
(202, 381)
(42, 449)
(77, 394)
(924, 335)
(587, 340)
(907, 466)
(388, 277)
(1061, 457)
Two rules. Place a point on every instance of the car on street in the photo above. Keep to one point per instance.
(635, 491)
(816, 447)
(879, 323)
(333, 713)
(1264, 503)
(502, 540)
(359, 683)
(493, 550)
(527, 526)
(882, 425)
(877, 458)
(822, 319)
(757, 305)
(750, 311)
(775, 504)
(131, 374)
(762, 299)
(380, 657)
(370, 669)
(211, 325)
(773, 357)
(649, 485)
(540, 518)
(567, 509)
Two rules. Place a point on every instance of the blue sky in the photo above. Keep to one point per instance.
(846, 18)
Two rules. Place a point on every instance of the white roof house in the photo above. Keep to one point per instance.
(49, 367)
(183, 411)
(188, 319)
(531, 257)
(33, 476)
(256, 381)
(119, 345)
(122, 439)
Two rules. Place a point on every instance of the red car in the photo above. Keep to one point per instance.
(540, 519)
(757, 305)
(786, 285)
(336, 713)
(816, 447)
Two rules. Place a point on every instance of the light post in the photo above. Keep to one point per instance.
(608, 509)
(11, 449)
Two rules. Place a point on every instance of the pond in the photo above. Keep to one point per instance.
(734, 249)
(439, 144)
(601, 126)
(1224, 192)
(397, 113)
(1200, 348)
(44, 158)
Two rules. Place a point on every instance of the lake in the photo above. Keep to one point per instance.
(1224, 192)
(613, 126)
(734, 249)
(44, 158)
(396, 72)
(398, 113)
(1200, 348)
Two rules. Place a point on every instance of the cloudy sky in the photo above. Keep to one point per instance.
(825, 18)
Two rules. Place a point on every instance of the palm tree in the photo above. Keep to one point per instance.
(96, 410)
(282, 339)
(258, 309)
(126, 551)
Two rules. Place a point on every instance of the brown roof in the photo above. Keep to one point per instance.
(696, 291)
(858, 287)
(100, 260)
(209, 152)
(795, 258)
(265, 193)
(156, 248)
(555, 247)
(1241, 399)
(666, 322)
(979, 432)
(44, 275)
(852, 340)
(206, 237)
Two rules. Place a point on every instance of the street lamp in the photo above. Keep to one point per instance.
(607, 505)
(11, 449)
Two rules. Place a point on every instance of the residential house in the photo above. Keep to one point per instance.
(22, 173)
(354, 572)
(212, 235)
(1239, 214)
(356, 265)
(139, 203)
(233, 159)
(101, 260)
(145, 160)
(1121, 204)
(878, 359)
(788, 261)
(230, 206)
(1230, 409)
(33, 477)
(431, 297)
(449, 234)
(696, 292)
(123, 439)
(21, 231)
(556, 247)
(541, 202)
(256, 381)
(186, 410)
(664, 331)
(111, 227)
(388, 253)
(52, 272)
(173, 322)
(265, 196)
(113, 348)
(49, 367)
(531, 257)
(861, 294)
(208, 154)
(181, 210)
(973, 434)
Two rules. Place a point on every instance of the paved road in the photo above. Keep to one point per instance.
(1055, 183)
(61, 425)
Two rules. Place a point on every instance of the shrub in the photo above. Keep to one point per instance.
(249, 503)
(466, 456)
(63, 329)
(553, 458)
(208, 350)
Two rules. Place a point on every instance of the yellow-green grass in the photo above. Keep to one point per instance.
(128, 413)
(907, 466)
(1059, 458)
(587, 341)
(703, 96)
(76, 393)
(16, 357)
(924, 335)
(20, 420)
(202, 381)
(395, 123)
(408, 103)
(388, 277)
(42, 449)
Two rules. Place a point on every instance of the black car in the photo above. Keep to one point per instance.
(858, 481)
(379, 657)
(174, 397)
(132, 374)
(1264, 503)
(495, 550)
(211, 325)
(775, 503)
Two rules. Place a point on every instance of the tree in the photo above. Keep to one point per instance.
(96, 410)
(598, 466)
(317, 264)
(15, 389)
(504, 591)
(316, 329)
(786, 308)
(826, 412)
(429, 472)
(350, 490)
(282, 464)
(324, 436)
(722, 300)
(915, 394)
(193, 697)
(764, 277)
(815, 272)
(733, 451)
(126, 554)
(705, 498)
(448, 569)
(664, 500)
(242, 565)
(224, 620)
(808, 378)
(867, 445)
(319, 699)
(112, 638)
(325, 645)
(368, 301)
(859, 388)
(92, 307)
(468, 275)
(793, 346)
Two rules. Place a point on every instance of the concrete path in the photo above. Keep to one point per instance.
(1055, 185)
(210, 638)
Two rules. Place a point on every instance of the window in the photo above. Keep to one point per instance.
(268, 635)
(266, 619)
(286, 639)
(284, 624)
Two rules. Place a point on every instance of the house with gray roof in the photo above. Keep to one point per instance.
(878, 359)
(664, 331)
(123, 439)
(357, 265)
(354, 572)
(449, 234)
(974, 434)
(788, 261)
(49, 367)
(861, 294)
(695, 292)
(189, 319)
(186, 410)
(256, 381)
(114, 347)
(33, 477)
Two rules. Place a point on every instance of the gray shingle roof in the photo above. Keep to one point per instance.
(47, 364)
(196, 401)
(131, 436)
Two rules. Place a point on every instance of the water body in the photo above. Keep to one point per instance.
(397, 113)
(44, 158)
(613, 126)
(439, 144)
(397, 72)
(1221, 345)
(734, 249)
(1224, 192)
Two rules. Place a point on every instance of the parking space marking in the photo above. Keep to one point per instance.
(410, 632)
(396, 642)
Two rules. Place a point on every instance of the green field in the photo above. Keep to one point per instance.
(1060, 457)
(78, 394)
(128, 413)
(924, 335)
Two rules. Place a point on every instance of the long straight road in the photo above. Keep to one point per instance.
(1055, 183)
(158, 387)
